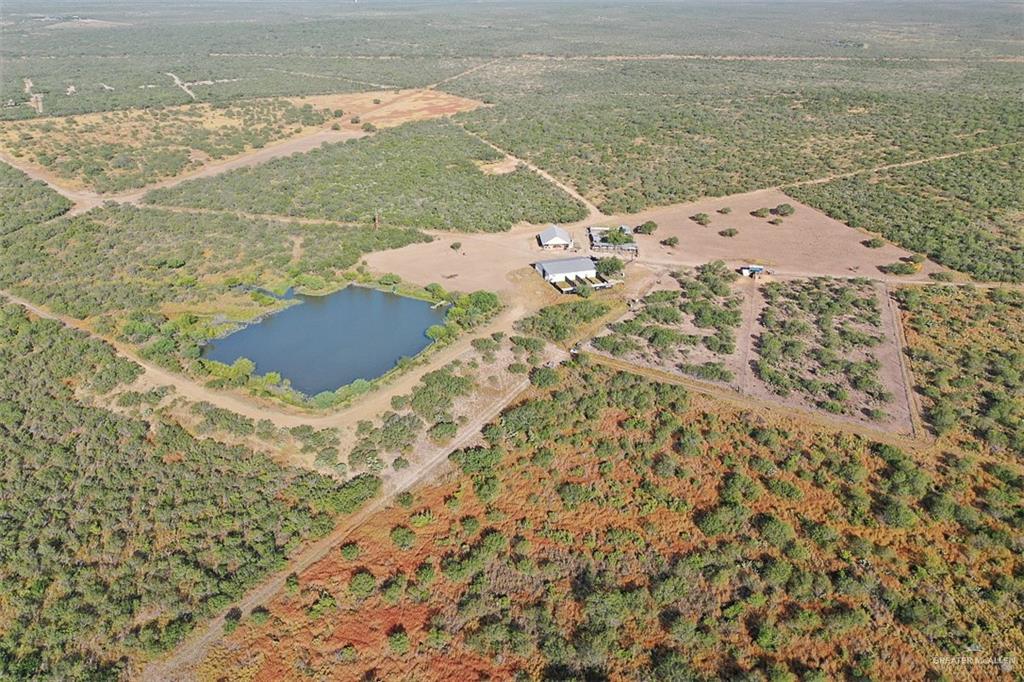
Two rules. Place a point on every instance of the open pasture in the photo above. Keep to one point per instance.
(806, 243)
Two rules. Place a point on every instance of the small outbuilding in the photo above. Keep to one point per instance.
(555, 237)
(753, 271)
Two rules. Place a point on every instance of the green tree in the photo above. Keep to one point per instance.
(609, 267)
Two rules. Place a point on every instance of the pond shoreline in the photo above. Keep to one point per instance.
(360, 337)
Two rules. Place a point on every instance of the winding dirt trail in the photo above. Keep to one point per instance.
(333, 77)
(297, 220)
(85, 200)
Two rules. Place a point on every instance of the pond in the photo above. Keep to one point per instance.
(325, 342)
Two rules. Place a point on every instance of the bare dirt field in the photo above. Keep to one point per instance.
(390, 108)
(481, 261)
(506, 165)
(806, 243)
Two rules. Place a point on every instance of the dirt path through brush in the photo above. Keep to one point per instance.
(180, 664)
(594, 213)
(752, 403)
(891, 166)
(468, 71)
(85, 199)
(182, 84)
(323, 76)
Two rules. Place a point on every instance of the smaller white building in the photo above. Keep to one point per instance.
(555, 237)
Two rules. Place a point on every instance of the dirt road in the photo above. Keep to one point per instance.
(368, 406)
(901, 164)
(594, 213)
(468, 71)
(182, 661)
(85, 200)
(182, 84)
(749, 402)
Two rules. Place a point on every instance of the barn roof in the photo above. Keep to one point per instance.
(567, 266)
(554, 232)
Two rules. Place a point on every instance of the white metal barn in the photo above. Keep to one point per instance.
(555, 237)
(568, 274)
(566, 268)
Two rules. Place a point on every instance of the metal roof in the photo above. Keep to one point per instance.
(566, 266)
(554, 232)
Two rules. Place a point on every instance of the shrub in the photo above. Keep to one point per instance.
(350, 551)
(723, 519)
(670, 242)
(899, 268)
(729, 232)
(362, 585)
(608, 267)
(702, 219)
(398, 641)
(442, 432)
(259, 615)
(232, 618)
(543, 377)
(403, 537)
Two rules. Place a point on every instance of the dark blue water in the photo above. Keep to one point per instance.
(325, 342)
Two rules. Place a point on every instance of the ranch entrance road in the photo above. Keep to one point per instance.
(182, 661)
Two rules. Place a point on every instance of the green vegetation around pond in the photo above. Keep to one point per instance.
(124, 258)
